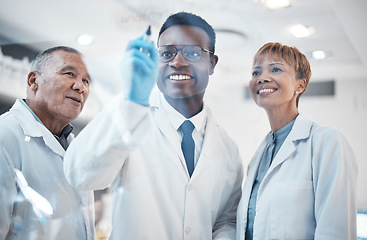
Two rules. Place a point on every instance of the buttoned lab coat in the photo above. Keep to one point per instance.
(29, 146)
(309, 191)
(137, 149)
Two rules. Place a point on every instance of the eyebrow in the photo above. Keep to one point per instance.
(276, 63)
(271, 64)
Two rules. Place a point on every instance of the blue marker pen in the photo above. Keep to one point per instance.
(146, 37)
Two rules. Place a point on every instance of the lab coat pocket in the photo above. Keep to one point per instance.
(292, 211)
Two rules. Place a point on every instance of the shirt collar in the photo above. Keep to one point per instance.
(282, 133)
(66, 131)
(176, 118)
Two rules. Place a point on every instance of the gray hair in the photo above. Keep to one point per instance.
(44, 56)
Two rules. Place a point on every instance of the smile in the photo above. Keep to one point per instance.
(266, 90)
(179, 77)
(76, 100)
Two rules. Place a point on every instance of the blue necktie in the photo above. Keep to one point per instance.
(188, 145)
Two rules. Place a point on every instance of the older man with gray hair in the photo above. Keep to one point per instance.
(36, 201)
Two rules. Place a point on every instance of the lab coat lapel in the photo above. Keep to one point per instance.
(32, 128)
(283, 154)
(52, 143)
(252, 170)
(250, 178)
(301, 130)
(210, 143)
(169, 133)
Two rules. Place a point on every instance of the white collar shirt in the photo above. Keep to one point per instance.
(176, 119)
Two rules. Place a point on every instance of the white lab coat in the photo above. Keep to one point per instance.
(137, 149)
(29, 146)
(309, 191)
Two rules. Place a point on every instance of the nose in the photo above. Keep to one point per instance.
(263, 78)
(178, 61)
(79, 85)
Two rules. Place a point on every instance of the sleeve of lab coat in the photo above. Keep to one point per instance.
(97, 154)
(225, 226)
(7, 192)
(335, 185)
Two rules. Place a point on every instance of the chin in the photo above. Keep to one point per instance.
(74, 115)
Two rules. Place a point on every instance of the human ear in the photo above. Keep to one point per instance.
(32, 80)
(301, 85)
(213, 62)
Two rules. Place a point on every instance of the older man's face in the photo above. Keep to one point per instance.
(62, 87)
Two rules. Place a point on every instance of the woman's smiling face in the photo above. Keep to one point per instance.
(273, 84)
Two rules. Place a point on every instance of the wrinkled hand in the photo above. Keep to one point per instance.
(139, 70)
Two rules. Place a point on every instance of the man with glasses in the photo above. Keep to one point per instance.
(174, 172)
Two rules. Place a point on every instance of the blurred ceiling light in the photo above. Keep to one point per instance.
(84, 39)
(275, 4)
(319, 54)
(301, 31)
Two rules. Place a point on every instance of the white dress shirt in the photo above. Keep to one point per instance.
(176, 119)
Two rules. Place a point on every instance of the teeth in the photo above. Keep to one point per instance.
(179, 77)
(268, 90)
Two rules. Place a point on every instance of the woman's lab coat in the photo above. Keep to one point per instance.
(137, 149)
(309, 191)
(29, 146)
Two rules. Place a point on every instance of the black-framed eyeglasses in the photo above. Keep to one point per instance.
(191, 53)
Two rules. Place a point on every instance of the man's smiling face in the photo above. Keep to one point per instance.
(180, 78)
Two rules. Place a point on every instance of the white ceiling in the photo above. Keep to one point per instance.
(242, 27)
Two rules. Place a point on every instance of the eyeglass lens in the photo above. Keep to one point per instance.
(190, 53)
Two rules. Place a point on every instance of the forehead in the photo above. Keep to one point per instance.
(273, 57)
(269, 58)
(184, 35)
(61, 59)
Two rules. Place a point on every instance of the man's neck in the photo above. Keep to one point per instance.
(188, 107)
(54, 125)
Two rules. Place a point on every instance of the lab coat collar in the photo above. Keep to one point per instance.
(210, 141)
(32, 128)
(301, 130)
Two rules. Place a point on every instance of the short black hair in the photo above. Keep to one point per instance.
(42, 57)
(190, 19)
